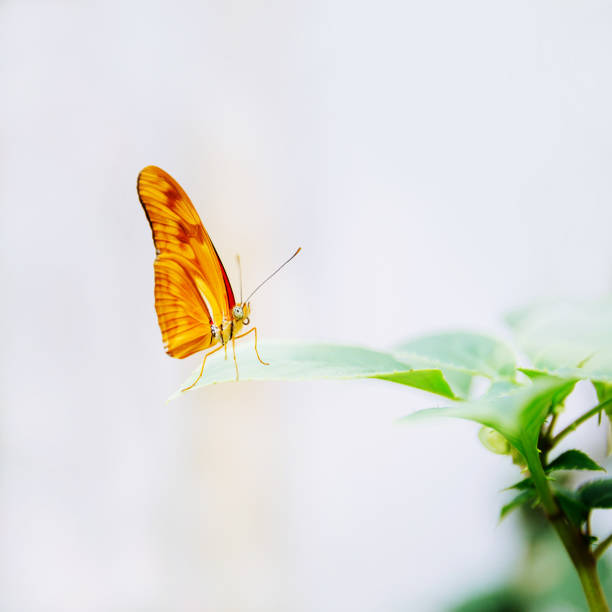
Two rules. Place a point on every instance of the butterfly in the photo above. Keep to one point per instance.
(194, 300)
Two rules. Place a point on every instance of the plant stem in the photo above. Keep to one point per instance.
(575, 543)
(585, 417)
(551, 426)
(591, 586)
(546, 438)
(601, 549)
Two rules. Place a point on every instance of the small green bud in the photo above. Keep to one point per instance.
(492, 440)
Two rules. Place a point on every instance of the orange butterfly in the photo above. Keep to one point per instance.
(194, 300)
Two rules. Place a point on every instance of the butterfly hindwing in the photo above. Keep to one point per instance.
(182, 314)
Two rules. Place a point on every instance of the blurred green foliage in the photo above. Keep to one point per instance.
(563, 342)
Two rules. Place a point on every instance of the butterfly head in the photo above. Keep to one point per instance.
(241, 313)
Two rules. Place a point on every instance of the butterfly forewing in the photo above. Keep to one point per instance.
(192, 290)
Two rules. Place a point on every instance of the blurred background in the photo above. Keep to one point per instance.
(440, 163)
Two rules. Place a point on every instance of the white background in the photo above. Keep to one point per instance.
(439, 163)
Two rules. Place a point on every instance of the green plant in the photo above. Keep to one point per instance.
(564, 342)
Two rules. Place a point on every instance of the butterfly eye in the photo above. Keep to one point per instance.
(246, 321)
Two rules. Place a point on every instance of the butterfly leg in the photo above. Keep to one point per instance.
(254, 329)
(234, 352)
(202, 370)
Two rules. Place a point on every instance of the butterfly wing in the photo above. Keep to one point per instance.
(192, 290)
(183, 316)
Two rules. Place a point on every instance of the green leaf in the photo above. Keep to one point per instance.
(604, 393)
(567, 339)
(504, 599)
(502, 387)
(533, 373)
(517, 415)
(426, 380)
(522, 498)
(573, 460)
(308, 361)
(461, 356)
(597, 493)
(572, 505)
(522, 485)
(569, 460)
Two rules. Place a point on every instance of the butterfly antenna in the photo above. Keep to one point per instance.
(271, 275)
(240, 275)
